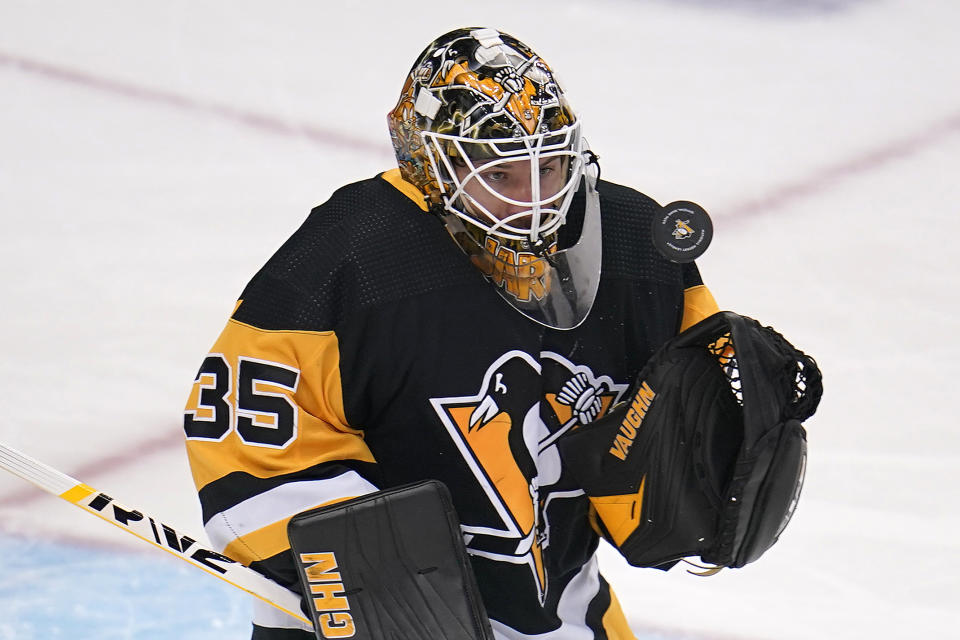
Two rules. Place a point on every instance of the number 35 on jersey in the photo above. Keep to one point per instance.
(248, 395)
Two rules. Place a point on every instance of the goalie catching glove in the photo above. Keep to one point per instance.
(707, 456)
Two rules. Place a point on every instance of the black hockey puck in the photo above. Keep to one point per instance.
(682, 231)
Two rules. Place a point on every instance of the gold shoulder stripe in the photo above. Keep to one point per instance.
(698, 304)
(393, 177)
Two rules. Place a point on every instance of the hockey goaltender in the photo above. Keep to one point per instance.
(457, 376)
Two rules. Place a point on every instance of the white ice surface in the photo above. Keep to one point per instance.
(155, 154)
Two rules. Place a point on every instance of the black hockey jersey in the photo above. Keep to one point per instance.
(369, 352)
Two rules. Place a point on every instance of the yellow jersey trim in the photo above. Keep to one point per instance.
(615, 622)
(620, 514)
(393, 177)
(698, 304)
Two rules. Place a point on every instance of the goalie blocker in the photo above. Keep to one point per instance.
(390, 564)
(707, 458)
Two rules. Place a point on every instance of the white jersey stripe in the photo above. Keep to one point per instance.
(266, 616)
(279, 503)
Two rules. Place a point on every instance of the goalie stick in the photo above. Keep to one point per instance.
(150, 529)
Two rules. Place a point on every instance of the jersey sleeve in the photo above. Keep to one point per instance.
(267, 438)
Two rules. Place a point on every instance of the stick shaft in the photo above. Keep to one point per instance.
(151, 530)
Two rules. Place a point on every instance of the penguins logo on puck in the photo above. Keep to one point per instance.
(682, 231)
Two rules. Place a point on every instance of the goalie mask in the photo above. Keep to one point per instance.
(485, 133)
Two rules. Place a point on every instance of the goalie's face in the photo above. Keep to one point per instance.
(506, 213)
(505, 193)
(516, 189)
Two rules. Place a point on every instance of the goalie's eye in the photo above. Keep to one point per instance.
(495, 176)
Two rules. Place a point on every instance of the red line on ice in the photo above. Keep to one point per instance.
(826, 178)
(775, 198)
(132, 455)
(251, 119)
